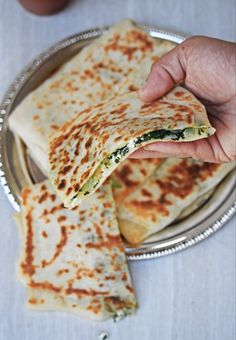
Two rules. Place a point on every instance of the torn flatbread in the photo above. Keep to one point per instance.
(86, 150)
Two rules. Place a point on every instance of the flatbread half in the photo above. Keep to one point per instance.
(86, 150)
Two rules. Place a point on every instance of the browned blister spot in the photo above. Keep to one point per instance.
(107, 205)
(95, 306)
(197, 107)
(61, 185)
(179, 94)
(129, 288)
(116, 301)
(53, 197)
(76, 187)
(43, 198)
(124, 277)
(112, 242)
(85, 175)
(146, 193)
(124, 174)
(24, 195)
(85, 159)
(45, 212)
(66, 169)
(105, 137)
(117, 139)
(98, 270)
(61, 219)
(59, 247)
(160, 205)
(28, 266)
(54, 127)
(84, 272)
(99, 65)
(40, 106)
(89, 74)
(84, 292)
(56, 84)
(34, 301)
(133, 88)
(124, 49)
(53, 210)
(70, 87)
(143, 172)
(146, 44)
(110, 277)
(44, 234)
(45, 285)
(56, 143)
(98, 230)
(68, 193)
(62, 271)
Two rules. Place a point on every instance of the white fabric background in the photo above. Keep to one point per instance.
(188, 295)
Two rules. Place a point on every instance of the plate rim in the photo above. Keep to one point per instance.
(24, 76)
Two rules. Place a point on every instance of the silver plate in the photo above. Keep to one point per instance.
(18, 170)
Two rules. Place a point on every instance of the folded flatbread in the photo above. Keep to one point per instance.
(174, 186)
(74, 260)
(129, 175)
(195, 205)
(87, 149)
(117, 62)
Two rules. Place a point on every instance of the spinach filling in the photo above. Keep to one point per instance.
(159, 134)
(117, 155)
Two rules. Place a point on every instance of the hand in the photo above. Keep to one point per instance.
(207, 67)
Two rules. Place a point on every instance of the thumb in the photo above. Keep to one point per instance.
(164, 74)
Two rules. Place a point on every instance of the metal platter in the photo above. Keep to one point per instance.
(17, 169)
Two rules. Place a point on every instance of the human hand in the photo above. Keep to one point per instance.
(207, 67)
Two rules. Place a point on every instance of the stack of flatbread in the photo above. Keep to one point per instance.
(88, 118)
